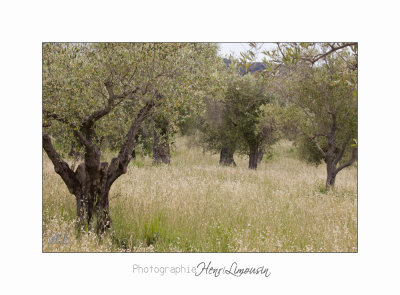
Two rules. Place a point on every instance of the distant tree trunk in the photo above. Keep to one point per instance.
(332, 160)
(330, 175)
(161, 151)
(226, 157)
(253, 157)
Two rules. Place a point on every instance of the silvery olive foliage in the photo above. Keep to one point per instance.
(320, 80)
(79, 78)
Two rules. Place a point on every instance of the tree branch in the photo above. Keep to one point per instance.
(77, 133)
(307, 114)
(119, 164)
(351, 161)
(113, 101)
(332, 132)
(60, 167)
(280, 50)
(314, 140)
(340, 155)
(316, 58)
(333, 49)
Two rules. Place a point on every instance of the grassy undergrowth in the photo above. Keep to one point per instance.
(194, 205)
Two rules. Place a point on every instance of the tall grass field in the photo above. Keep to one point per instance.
(196, 205)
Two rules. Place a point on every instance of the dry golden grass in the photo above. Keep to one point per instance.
(194, 205)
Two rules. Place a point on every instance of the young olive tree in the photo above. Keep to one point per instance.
(320, 79)
(90, 88)
(326, 98)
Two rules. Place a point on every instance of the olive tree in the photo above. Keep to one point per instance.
(244, 100)
(326, 100)
(240, 120)
(330, 104)
(218, 133)
(320, 79)
(90, 88)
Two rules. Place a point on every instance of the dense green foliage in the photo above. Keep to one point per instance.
(243, 118)
(75, 77)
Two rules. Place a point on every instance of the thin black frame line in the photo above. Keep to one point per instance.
(358, 126)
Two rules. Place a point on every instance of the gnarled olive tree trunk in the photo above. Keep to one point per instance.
(255, 156)
(92, 180)
(332, 158)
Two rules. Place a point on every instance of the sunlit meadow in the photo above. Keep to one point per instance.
(195, 205)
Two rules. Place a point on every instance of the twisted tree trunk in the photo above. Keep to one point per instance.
(226, 157)
(332, 169)
(333, 155)
(330, 174)
(253, 157)
(92, 180)
(92, 197)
